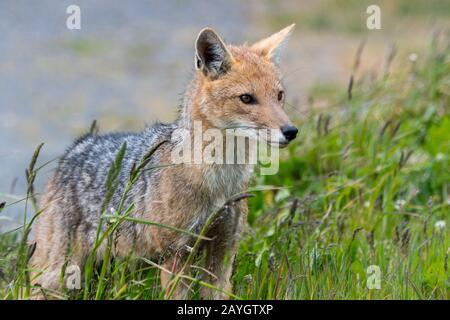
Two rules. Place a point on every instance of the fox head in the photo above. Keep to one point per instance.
(241, 86)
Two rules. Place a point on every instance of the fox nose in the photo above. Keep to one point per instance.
(290, 132)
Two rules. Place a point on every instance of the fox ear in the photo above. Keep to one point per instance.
(211, 54)
(272, 46)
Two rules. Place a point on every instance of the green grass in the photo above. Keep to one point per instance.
(366, 184)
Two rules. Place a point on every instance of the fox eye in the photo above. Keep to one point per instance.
(247, 98)
(280, 95)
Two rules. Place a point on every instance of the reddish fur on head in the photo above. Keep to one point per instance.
(227, 72)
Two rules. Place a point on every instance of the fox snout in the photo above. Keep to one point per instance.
(289, 132)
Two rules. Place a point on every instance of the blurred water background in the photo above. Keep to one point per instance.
(130, 62)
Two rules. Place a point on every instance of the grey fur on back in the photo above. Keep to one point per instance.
(82, 171)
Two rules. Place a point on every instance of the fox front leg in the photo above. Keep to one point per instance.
(174, 289)
(221, 251)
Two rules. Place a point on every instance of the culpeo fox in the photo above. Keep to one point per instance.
(233, 86)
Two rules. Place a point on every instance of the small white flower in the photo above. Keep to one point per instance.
(440, 224)
(112, 220)
(248, 278)
(440, 157)
(413, 57)
(366, 204)
(399, 204)
(418, 158)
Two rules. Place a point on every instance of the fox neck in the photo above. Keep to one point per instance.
(227, 178)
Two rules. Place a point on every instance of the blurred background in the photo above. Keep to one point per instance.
(130, 62)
